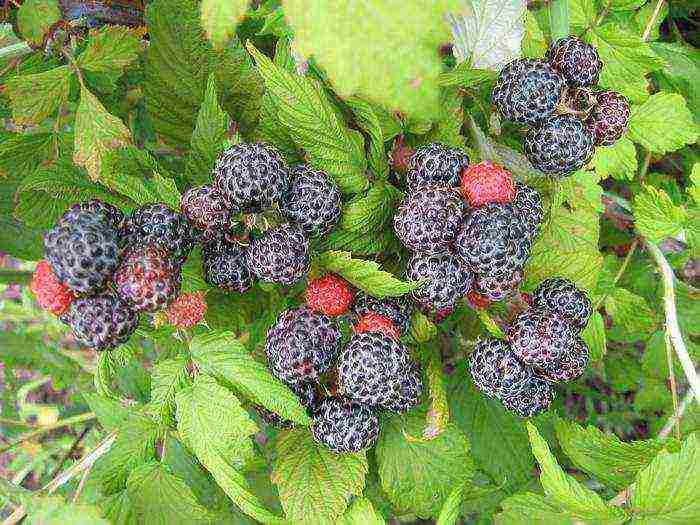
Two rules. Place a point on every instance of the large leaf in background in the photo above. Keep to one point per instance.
(618, 161)
(667, 490)
(55, 510)
(419, 475)
(655, 215)
(35, 97)
(371, 212)
(368, 50)
(35, 18)
(219, 18)
(315, 485)
(361, 512)
(681, 72)
(110, 50)
(489, 32)
(305, 111)
(605, 456)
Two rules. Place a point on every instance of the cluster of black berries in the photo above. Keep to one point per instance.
(253, 178)
(537, 93)
(374, 371)
(116, 267)
(470, 228)
(543, 348)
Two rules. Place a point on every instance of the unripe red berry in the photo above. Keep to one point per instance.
(485, 183)
(187, 310)
(330, 295)
(373, 322)
(51, 295)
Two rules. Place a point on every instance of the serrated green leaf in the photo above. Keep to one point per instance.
(118, 509)
(315, 485)
(447, 130)
(215, 427)
(35, 18)
(418, 476)
(368, 120)
(594, 336)
(372, 211)
(694, 187)
(626, 61)
(422, 328)
(463, 75)
(222, 355)
(618, 161)
(366, 275)
(438, 415)
(632, 316)
(96, 132)
(305, 111)
(655, 215)
(605, 456)
(167, 378)
(507, 460)
(110, 50)
(666, 491)
(361, 512)
(526, 508)
(160, 498)
(534, 43)
(680, 73)
(663, 123)
(451, 509)
(567, 493)
(55, 511)
(209, 137)
(36, 97)
(344, 39)
(358, 243)
(219, 18)
(109, 412)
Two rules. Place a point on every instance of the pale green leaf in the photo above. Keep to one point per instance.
(111, 49)
(655, 215)
(111, 413)
(344, 38)
(359, 243)
(528, 508)
(422, 328)
(118, 509)
(438, 415)
(315, 485)
(160, 498)
(222, 355)
(626, 61)
(209, 137)
(694, 187)
(489, 33)
(681, 72)
(35, 18)
(419, 475)
(36, 97)
(96, 132)
(594, 336)
(55, 511)
(370, 212)
(219, 19)
(366, 275)
(167, 378)
(534, 43)
(305, 111)
(448, 128)
(567, 493)
(449, 514)
(368, 120)
(604, 456)
(582, 14)
(632, 316)
(618, 161)
(663, 123)
(667, 490)
(361, 512)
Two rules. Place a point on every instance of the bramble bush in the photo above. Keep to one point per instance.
(159, 364)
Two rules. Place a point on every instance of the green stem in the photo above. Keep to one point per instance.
(15, 50)
(43, 430)
(559, 19)
(14, 493)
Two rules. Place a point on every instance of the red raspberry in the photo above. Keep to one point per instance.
(477, 300)
(372, 322)
(486, 182)
(187, 310)
(330, 295)
(51, 295)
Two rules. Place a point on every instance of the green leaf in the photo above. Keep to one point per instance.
(214, 426)
(605, 456)
(135, 445)
(418, 476)
(361, 512)
(55, 511)
(618, 161)
(663, 123)
(451, 509)
(305, 111)
(489, 34)
(371, 212)
(344, 38)
(667, 490)
(160, 498)
(222, 355)
(359, 243)
(315, 485)
(365, 275)
(448, 129)
(36, 97)
(655, 215)
(111, 414)
(527, 508)
(422, 328)
(507, 460)
(135, 174)
(694, 187)
(167, 378)
(632, 316)
(567, 493)
(463, 75)
(118, 509)
(626, 61)
(439, 413)
(209, 137)
(594, 336)
(110, 50)
(534, 44)
(680, 73)
(35, 18)
(368, 120)
(219, 18)
(96, 132)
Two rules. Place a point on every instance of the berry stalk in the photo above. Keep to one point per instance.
(559, 19)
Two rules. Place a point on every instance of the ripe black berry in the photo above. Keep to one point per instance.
(224, 264)
(313, 201)
(540, 337)
(562, 296)
(148, 278)
(344, 426)
(435, 165)
(447, 279)
(280, 255)
(576, 61)
(608, 119)
(206, 211)
(559, 146)
(158, 225)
